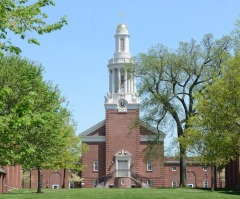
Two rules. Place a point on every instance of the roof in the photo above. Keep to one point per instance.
(87, 137)
(2, 170)
(93, 128)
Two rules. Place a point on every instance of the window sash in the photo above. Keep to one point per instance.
(149, 166)
(95, 166)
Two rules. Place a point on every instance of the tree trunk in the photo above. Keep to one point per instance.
(39, 188)
(183, 178)
(64, 178)
(212, 177)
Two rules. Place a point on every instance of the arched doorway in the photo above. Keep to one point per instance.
(55, 180)
(191, 179)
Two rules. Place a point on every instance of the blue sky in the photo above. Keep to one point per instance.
(76, 57)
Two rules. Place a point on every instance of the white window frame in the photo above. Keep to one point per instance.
(205, 184)
(55, 185)
(150, 183)
(71, 185)
(205, 168)
(174, 183)
(95, 166)
(122, 44)
(174, 168)
(149, 166)
(190, 185)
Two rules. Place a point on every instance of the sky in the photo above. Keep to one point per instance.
(76, 57)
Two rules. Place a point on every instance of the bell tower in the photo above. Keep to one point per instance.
(122, 84)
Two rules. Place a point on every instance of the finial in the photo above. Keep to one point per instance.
(122, 15)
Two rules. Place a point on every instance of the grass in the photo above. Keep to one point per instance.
(180, 193)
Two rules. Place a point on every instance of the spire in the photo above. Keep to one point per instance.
(122, 85)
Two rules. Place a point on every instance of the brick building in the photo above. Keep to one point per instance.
(232, 175)
(52, 179)
(198, 176)
(10, 178)
(115, 158)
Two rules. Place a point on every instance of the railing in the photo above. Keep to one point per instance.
(141, 179)
(103, 180)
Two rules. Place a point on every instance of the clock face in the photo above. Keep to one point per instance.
(122, 103)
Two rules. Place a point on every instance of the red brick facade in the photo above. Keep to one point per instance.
(232, 174)
(198, 176)
(10, 178)
(52, 179)
(120, 139)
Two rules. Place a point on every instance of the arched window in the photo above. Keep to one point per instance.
(122, 44)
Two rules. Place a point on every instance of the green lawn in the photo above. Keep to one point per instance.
(186, 193)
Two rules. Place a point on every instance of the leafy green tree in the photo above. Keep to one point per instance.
(70, 154)
(23, 18)
(32, 116)
(214, 133)
(168, 82)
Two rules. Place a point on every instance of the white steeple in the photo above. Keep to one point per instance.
(122, 84)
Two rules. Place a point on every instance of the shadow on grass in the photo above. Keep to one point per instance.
(224, 191)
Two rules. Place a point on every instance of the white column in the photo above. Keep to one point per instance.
(119, 79)
(131, 87)
(110, 80)
(128, 83)
(113, 80)
(125, 81)
(134, 85)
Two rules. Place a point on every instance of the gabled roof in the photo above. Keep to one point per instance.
(86, 135)
(93, 128)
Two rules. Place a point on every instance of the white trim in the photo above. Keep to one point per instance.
(145, 138)
(93, 128)
(129, 106)
(95, 166)
(174, 168)
(174, 182)
(190, 185)
(205, 168)
(93, 139)
(205, 182)
(149, 164)
(55, 185)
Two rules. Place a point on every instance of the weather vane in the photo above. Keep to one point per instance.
(122, 15)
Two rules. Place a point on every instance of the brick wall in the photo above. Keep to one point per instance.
(195, 175)
(119, 136)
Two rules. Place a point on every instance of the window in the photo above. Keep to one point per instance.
(149, 166)
(150, 183)
(122, 44)
(205, 168)
(71, 185)
(190, 185)
(174, 183)
(174, 168)
(95, 166)
(205, 184)
(55, 186)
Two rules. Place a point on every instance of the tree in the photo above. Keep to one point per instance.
(70, 153)
(214, 132)
(168, 81)
(32, 116)
(22, 18)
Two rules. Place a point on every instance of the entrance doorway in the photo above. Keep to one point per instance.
(122, 160)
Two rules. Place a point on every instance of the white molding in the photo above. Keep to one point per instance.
(130, 106)
(93, 139)
(93, 128)
(145, 138)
